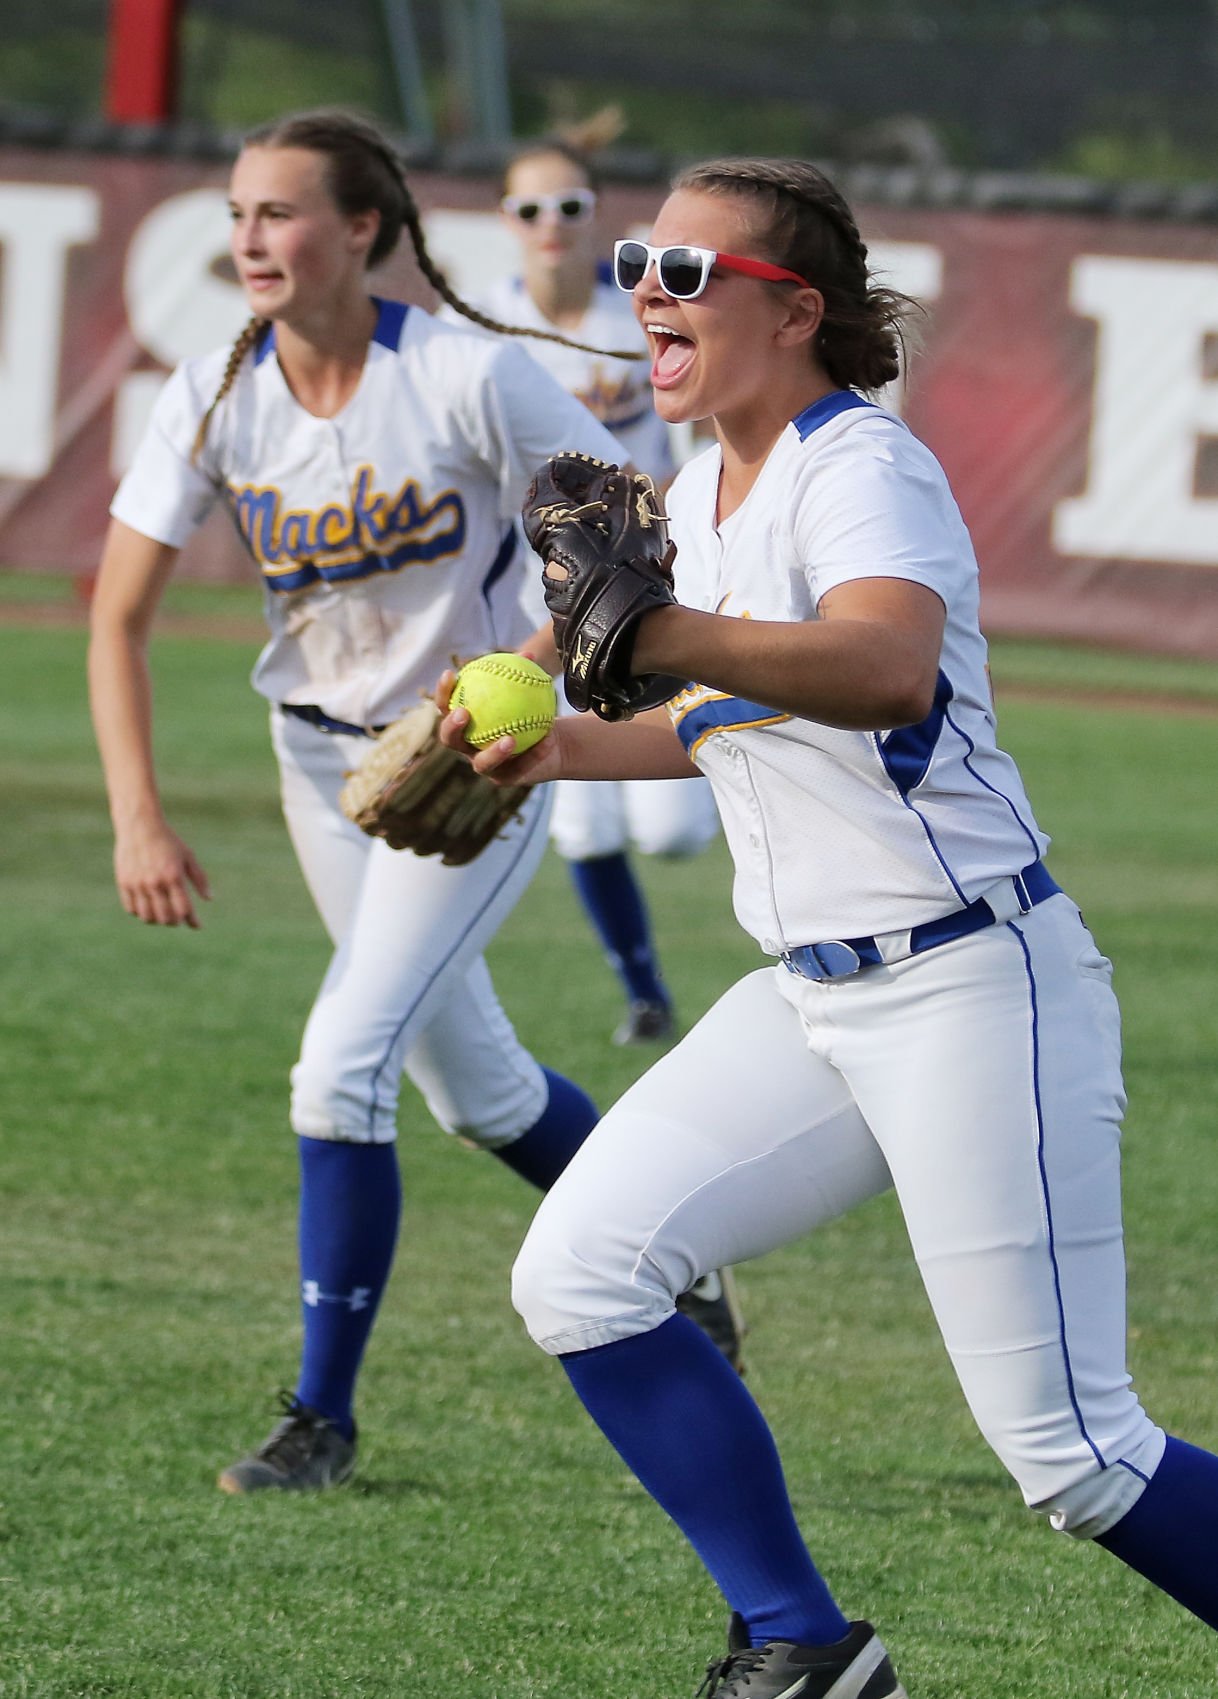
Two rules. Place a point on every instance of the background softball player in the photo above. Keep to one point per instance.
(939, 1018)
(374, 461)
(550, 203)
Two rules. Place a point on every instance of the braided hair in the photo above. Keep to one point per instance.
(364, 172)
(249, 335)
(807, 227)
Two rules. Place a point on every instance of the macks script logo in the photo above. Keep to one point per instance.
(375, 532)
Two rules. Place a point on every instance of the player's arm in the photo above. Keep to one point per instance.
(580, 746)
(540, 646)
(576, 747)
(868, 663)
(154, 870)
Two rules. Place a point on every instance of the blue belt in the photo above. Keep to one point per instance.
(326, 722)
(838, 958)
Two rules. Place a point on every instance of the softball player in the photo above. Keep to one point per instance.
(937, 1017)
(374, 461)
(550, 201)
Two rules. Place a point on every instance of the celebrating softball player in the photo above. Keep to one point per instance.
(550, 201)
(937, 1017)
(374, 462)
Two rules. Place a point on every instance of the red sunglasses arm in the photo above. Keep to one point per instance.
(760, 268)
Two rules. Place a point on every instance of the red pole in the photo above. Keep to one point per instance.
(142, 61)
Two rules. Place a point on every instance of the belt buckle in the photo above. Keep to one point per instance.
(837, 960)
(830, 960)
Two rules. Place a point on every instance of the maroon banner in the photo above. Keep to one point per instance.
(1065, 371)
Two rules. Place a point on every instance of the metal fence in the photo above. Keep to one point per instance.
(1110, 88)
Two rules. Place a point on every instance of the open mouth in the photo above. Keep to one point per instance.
(671, 355)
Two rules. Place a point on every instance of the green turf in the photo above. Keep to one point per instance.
(490, 1544)
(1019, 663)
(52, 590)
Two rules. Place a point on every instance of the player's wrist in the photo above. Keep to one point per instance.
(137, 818)
(656, 638)
(540, 646)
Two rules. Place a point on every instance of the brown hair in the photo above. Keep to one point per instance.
(578, 144)
(807, 227)
(364, 172)
(542, 148)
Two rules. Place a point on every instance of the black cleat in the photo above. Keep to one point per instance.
(304, 1453)
(855, 1668)
(713, 1303)
(647, 1022)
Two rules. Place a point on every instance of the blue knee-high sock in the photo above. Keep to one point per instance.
(615, 905)
(1171, 1533)
(540, 1154)
(679, 1415)
(350, 1204)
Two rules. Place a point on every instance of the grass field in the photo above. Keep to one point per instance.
(491, 1544)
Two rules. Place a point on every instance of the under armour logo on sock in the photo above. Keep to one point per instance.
(358, 1298)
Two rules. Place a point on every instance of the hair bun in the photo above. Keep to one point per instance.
(596, 132)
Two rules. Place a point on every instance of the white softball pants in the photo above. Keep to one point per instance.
(665, 817)
(983, 1081)
(597, 817)
(407, 988)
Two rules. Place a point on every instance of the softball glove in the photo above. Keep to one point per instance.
(417, 794)
(603, 537)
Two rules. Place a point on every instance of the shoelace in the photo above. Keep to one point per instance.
(722, 1670)
(292, 1440)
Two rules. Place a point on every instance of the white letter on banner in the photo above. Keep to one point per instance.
(176, 305)
(914, 269)
(39, 222)
(1153, 403)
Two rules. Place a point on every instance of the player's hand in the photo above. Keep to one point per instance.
(451, 730)
(443, 695)
(535, 766)
(155, 872)
(498, 761)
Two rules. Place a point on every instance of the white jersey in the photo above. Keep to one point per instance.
(846, 834)
(617, 392)
(381, 533)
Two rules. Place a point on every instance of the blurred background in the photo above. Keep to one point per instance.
(1040, 175)
(1116, 89)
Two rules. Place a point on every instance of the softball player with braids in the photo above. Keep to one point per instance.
(550, 202)
(374, 462)
(937, 1017)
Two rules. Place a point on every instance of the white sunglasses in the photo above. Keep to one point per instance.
(684, 272)
(572, 206)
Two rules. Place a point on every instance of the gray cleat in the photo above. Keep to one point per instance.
(304, 1453)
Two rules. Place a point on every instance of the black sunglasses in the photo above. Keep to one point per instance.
(573, 206)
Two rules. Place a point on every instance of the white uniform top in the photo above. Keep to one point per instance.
(381, 532)
(846, 834)
(618, 392)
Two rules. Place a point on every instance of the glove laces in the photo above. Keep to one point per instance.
(559, 513)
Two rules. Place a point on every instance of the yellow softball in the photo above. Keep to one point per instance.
(505, 694)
